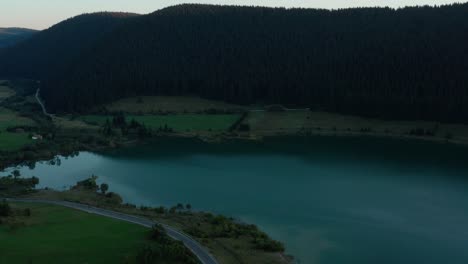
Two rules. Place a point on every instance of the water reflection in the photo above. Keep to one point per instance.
(331, 200)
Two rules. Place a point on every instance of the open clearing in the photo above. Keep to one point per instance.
(9, 118)
(10, 141)
(13, 141)
(173, 104)
(5, 91)
(264, 123)
(179, 123)
(54, 234)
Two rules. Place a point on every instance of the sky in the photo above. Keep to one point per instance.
(41, 14)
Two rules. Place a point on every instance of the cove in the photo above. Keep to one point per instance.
(329, 199)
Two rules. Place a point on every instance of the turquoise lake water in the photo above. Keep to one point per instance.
(329, 199)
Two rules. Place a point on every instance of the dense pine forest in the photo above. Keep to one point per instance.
(409, 63)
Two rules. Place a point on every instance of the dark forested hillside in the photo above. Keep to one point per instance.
(410, 63)
(51, 49)
(11, 36)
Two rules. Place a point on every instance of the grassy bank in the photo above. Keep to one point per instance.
(230, 241)
(305, 122)
(53, 234)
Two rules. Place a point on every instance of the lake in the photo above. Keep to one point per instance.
(329, 199)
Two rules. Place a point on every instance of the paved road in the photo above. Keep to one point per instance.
(202, 253)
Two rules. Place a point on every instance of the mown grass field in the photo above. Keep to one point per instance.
(176, 104)
(179, 123)
(54, 234)
(13, 141)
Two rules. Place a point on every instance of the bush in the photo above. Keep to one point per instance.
(89, 184)
(158, 233)
(195, 232)
(104, 188)
(160, 210)
(5, 209)
(269, 245)
(165, 249)
(265, 243)
(27, 212)
(113, 198)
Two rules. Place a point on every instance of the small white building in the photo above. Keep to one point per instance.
(36, 137)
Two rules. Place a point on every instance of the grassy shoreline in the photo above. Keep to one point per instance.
(230, 241)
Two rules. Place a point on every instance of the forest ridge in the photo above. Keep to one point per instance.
(409, 63)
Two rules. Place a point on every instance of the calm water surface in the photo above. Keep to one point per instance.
(331, 200)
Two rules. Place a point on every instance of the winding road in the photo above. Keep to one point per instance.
(44, 110)
(202, 253)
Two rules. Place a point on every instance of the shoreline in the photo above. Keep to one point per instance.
(221, 138)
(261, 137)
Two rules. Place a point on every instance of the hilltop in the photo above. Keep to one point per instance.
(11, 36)
(49, 50)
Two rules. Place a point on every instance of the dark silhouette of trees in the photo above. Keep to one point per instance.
(165, 249)
(104, 188)
(409, 63)
(5, 209)
(16, 174)
(107, 128)
(87, 184)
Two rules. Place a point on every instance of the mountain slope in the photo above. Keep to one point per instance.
(51, 49)
(11, 36)
(409, 63)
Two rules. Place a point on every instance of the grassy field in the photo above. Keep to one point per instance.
(263, 121)
(304, 121)
(180, 122)
(227, 250)
(9, 118)
(175, 104)
(55, 234)
(13, 141)
(5, 91)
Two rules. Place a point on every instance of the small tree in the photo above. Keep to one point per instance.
(27, 212)
(104, 188)
(89, 184)
(16, 174)
(107, 128)
(188, 206)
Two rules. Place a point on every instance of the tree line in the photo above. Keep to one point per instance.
(408, 63)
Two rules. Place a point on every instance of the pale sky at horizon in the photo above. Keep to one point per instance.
(41, 14)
